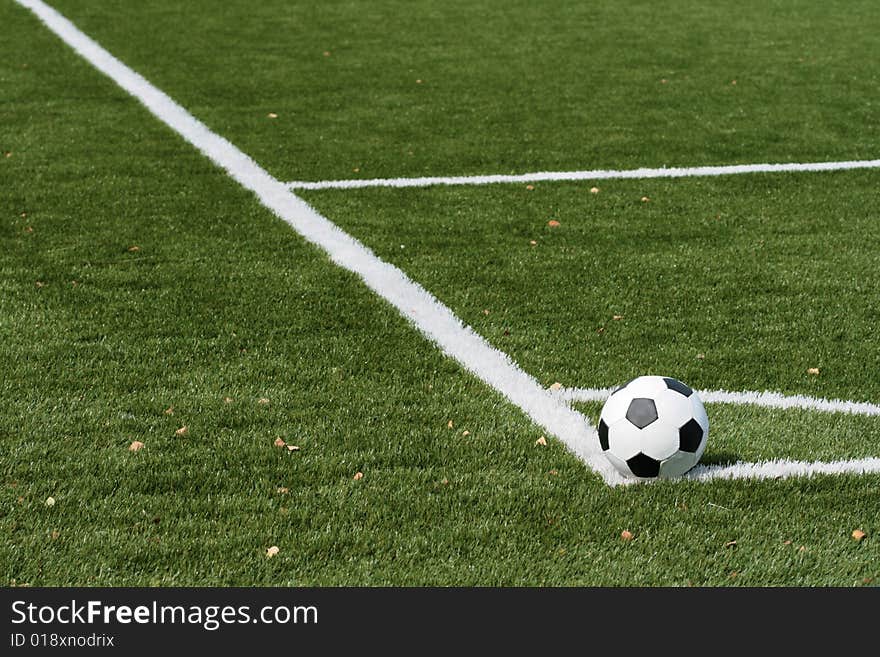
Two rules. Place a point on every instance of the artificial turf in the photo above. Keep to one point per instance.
(743, 282)
(402, 87)
(143, 291)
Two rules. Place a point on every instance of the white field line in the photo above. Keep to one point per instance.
(767, 399)
(599, 174)
(415, 303)
(776, 469)
(783, 469)
(435, 320)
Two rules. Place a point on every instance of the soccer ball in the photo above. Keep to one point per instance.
(653, 427)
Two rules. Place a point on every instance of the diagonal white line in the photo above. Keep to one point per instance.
(598, 174)
(415, 303)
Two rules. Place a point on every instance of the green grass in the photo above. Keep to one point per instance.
(222, 300)
(764, 276)
(741, 283)
(513, 86)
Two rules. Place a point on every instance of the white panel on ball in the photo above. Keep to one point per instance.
(646, 386)
(677, 464)
(615, 409)
(673, 407)
(624, 440)
(659, 440)
(654, 426)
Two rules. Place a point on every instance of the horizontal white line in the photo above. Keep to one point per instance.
(599, 174)
(430, 316)
(777, 469)
(767, 399)
(425, 311)
(783, 469)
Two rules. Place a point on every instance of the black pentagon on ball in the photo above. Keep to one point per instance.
(690, 436)
(641, 412)
(643, 465)
(603, 435)
(678, 386)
